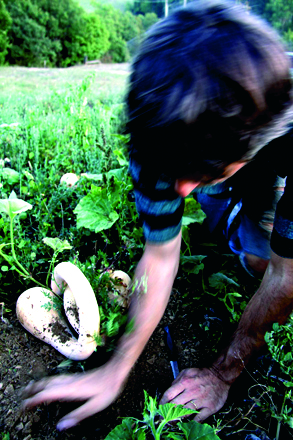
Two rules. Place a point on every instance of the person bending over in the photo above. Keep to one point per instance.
(209, 107)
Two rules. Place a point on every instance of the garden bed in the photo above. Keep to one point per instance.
(79, 128)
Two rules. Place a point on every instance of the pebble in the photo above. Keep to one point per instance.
(28, 427)
(9, 390)
(19, 427)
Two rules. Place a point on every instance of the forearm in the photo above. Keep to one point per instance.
(273, 302)
(153, 282)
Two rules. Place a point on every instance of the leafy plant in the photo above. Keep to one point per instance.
(222, 283)
(156, 422)
(13, 207)
(280, 342)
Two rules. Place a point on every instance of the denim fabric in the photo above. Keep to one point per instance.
(244, 207)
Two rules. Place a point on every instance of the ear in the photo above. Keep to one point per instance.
(183, 187)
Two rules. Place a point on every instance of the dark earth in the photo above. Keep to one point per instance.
(24, 358)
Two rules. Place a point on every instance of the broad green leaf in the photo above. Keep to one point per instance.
(140, 435)
(197, 431)
(95, 211)
(192, 264)
(192, 212)
(56, 244)
(13, 206)
(123, 431)
(170, 412)
(219, 281)
(120, 158)
(10, 175)
(150, 407)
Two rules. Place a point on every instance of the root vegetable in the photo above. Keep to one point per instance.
(81, 308)
(122, 283)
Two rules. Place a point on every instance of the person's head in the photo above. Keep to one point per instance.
(209, 88)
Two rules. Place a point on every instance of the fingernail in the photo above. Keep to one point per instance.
(65, 424)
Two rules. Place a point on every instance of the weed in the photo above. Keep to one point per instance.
(158, 423)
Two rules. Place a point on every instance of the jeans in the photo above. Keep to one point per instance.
(244, 207)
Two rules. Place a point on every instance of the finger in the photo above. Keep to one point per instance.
(52, 393)
(36, 387)
(183, 399)
(90, 408)
(203, 414)
(191, 405)
(171, 393)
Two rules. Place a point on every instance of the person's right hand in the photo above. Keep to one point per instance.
(99, 388)
(198, 389)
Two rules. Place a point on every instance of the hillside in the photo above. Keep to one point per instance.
(88, 4)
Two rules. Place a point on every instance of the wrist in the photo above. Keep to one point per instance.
(229, 366)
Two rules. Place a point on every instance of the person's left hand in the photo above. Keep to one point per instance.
(198, 389)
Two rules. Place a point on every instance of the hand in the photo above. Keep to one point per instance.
(99, 388)
(198, 389)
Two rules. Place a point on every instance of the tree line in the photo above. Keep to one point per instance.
(61, 33)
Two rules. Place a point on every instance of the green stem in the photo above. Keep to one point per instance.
(154, 431)
(51, 265)
(24, 275)
(13, 250)
(279, 421)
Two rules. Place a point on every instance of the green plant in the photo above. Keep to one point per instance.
(280, 342)
(158, 423)
(13, 207)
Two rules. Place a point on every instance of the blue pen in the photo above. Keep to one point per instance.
(172, 352)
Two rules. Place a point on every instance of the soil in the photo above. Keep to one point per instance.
(24, 358)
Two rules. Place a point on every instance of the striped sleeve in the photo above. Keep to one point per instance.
(159, 207)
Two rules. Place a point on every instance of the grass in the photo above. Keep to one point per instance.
(38, 83)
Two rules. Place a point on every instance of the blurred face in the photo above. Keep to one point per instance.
(185, 186)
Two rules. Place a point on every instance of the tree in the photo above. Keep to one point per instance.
(29, 44)
(281, 17)
(58, 33)
(96, 37)
(5, 24)
(122, 27)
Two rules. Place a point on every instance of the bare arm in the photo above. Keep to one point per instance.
(154, 278)
(273, 302)
(207, 389)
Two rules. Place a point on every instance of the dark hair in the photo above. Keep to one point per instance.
(205, 90)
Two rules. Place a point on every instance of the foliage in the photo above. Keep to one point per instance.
(5, 24)
(156, 421)
(280, 341)
(58, 33)
(71, 131)
(96, 37)
(281, 17)
(122, 27)
(42, 218)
